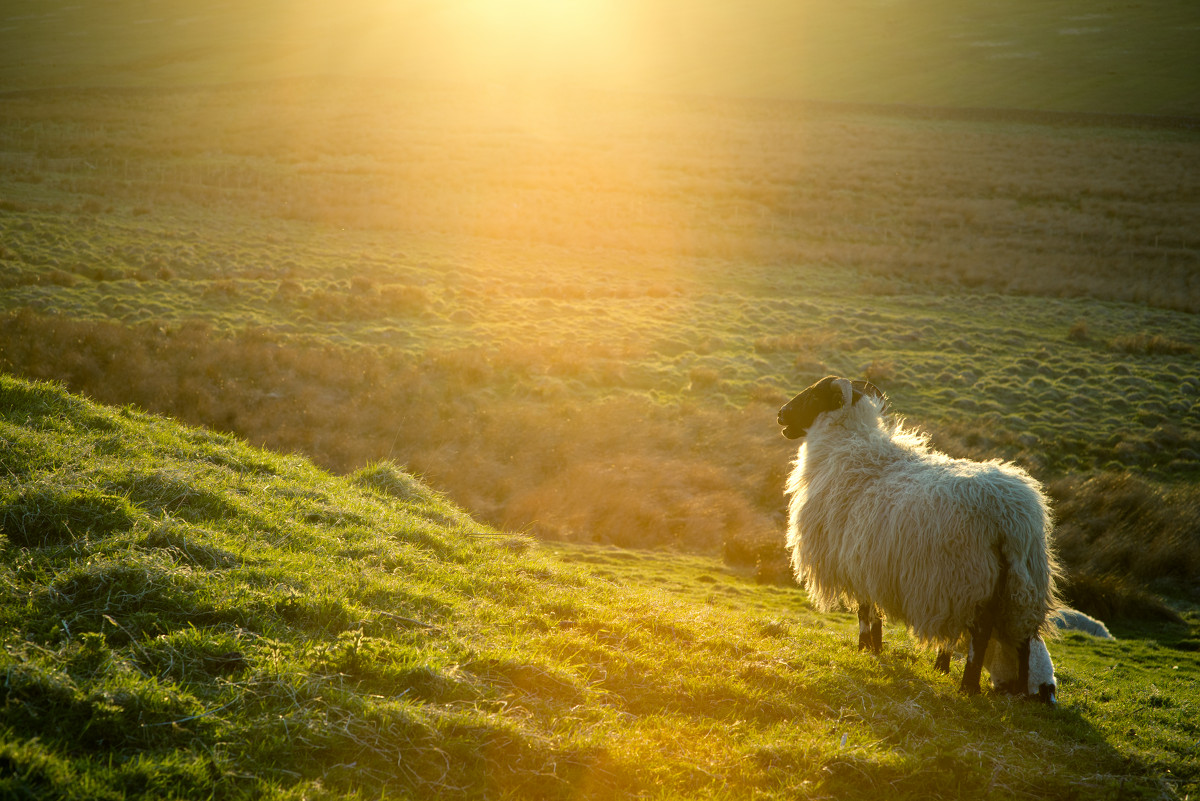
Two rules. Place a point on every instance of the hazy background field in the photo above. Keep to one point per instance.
(1058, 55)
(566, 264)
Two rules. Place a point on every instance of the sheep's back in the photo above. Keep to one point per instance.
(917, 533)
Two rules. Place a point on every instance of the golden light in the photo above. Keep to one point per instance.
(540, 41)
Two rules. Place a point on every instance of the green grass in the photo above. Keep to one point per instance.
(573, 309)
(210, 620)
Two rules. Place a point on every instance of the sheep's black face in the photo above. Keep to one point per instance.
(798, 414)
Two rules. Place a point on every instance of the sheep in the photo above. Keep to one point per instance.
(1074, 620)
(956, 549)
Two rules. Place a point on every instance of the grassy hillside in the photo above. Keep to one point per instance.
(185, 616)
(1060, 55)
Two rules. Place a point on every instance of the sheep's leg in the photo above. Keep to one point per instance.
(981, 632)
(942, 665)
(870, 629)
(1023, 665)
(864, 626)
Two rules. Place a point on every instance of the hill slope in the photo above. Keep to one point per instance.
(185, 616)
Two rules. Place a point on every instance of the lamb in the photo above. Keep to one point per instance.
(1074, 620)
(953, 548)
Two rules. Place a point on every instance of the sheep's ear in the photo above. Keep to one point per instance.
(843, 386)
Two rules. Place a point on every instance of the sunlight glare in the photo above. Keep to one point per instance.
(545, 41)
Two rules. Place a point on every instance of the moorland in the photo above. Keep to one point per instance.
(575, 306)
(580, 323)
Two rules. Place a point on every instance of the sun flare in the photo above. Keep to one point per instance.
(543, 40)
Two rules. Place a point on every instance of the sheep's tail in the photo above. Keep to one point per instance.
(1031, 595)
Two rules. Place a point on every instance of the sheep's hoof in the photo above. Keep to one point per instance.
(870, 646)
(968, 688)
(867, 643)
(942, 665)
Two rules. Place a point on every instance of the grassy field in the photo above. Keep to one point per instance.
(185, 616)
(579, 317)
(563, 262)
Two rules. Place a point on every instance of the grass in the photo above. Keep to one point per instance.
(578, 318)
(252, 626)
(573, 309)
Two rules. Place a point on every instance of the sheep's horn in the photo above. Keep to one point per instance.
(867, 388)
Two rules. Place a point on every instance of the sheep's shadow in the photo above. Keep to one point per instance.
(904, 701)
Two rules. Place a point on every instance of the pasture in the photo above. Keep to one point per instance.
(579, 318)
(186, 616)
(567, 282)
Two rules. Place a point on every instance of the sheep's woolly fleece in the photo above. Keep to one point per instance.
(1074, 620)
(876, 516)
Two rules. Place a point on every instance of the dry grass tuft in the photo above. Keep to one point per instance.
(1111, 597)
(1117, 524)
(1144, 344)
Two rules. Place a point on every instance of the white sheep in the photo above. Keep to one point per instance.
(1074, 620)
(951, 547)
